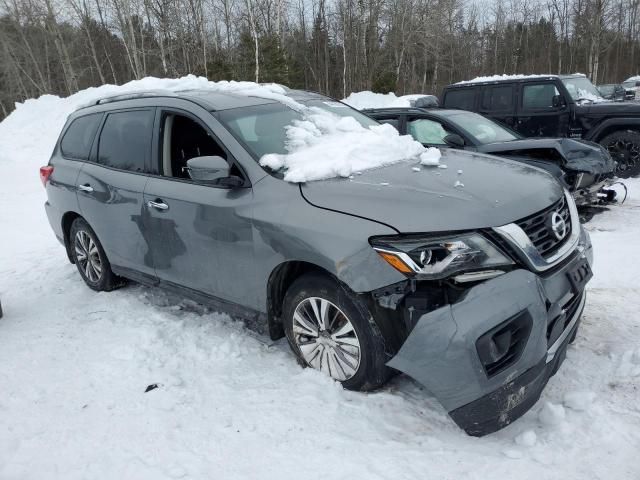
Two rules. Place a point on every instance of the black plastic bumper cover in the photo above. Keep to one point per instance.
(499, 408)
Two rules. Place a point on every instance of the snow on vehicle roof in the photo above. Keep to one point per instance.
(635, 78)
(321, 145)
(497, 78)
(367, 99)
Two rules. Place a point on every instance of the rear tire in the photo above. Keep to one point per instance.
(90, 258)
(330, 329)
(624, 147)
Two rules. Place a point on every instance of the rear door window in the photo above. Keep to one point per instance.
(463, 99)
(498, 99)
(77, 140)
(125, 140)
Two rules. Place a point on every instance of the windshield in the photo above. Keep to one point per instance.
(481, 129)
(261, 128)
(581, 88)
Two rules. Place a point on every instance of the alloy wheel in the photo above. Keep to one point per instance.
(88, 256)
(326, 338)
(626, 153)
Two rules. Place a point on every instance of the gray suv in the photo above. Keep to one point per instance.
(474, 291)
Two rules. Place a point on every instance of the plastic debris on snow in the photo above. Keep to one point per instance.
(324, 145)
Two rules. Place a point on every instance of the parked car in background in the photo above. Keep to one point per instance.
(555, 106)
(613, 91)
(473, 290)
(632, 87)
(586, 168)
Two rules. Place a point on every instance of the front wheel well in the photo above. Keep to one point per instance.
(279, 282)
(616, 128)
(67, 221)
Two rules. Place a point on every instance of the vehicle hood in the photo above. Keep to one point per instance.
(618, 109)
(570, 154)
(491, 192)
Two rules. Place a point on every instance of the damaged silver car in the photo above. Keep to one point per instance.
(475, 292)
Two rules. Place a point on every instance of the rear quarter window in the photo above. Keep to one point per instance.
(462, 99)
(77, 140)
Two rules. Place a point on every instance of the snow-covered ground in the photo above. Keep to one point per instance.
(74, 366)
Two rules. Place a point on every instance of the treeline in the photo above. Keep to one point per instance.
(406, 46)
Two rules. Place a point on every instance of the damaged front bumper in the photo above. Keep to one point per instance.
(488, 356)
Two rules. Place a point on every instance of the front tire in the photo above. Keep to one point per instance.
(90, 258)
(624, 147)
(330, 329)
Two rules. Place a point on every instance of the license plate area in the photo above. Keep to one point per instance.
(580, 275)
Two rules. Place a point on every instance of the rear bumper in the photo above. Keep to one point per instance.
(447, 350)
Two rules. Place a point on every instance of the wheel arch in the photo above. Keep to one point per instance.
(66, 222)
(280, 279)
(612, 125)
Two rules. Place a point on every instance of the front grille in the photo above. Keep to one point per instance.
(539, 232)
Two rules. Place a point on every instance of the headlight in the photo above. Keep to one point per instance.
(442, 257)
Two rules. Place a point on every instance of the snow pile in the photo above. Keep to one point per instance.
(324, 145)
(366, 99)
(44, 117)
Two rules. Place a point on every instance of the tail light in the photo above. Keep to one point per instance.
(45, 173)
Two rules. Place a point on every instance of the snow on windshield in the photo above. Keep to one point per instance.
(367, 99)
(581, 89)
(324, 145)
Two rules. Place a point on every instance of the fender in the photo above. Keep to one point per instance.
(597, 132)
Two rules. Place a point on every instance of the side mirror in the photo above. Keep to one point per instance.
(454, 140)
(207, 169)
(558, 101)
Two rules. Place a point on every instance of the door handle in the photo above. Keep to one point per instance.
(158, 205)
(85, 188)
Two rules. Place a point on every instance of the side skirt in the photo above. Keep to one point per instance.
(255, 319)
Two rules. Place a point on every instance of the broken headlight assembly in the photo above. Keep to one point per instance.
(465, 257)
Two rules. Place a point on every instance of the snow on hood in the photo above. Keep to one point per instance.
(367, 99)
(44, 117)
(324, 145)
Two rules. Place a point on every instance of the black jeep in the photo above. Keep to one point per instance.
(555, 106)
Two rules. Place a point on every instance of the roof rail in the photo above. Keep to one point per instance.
(133, 95)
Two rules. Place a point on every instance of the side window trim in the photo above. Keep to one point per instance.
(158, 137)
(95, 151)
